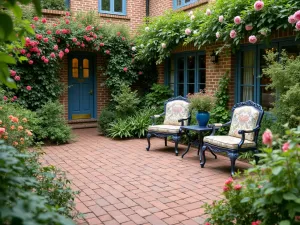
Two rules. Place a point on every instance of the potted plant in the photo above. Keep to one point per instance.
(203, 102)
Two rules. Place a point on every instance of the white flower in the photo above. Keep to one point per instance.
(218, 35)
(133, 48)
(208, 12)
(192, 17)
(195, 32)
(221, 19)
(163, 45)
(190, 13)
(142, 46)
(147, 29)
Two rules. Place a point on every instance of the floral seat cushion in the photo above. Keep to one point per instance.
(229, 142)
(169, 129)
(176, 110)
(244, 118)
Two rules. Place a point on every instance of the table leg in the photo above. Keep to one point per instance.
(189, 143)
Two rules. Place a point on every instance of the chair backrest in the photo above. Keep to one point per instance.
(245, 116)
(175, 109)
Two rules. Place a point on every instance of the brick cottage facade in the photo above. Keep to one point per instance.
(186, 71)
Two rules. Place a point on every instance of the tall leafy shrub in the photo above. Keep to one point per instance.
(158, 95)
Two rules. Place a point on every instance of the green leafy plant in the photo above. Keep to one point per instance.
(270, 192)
(202, 101)
(158, 95)
(106, 117)
(53, 4)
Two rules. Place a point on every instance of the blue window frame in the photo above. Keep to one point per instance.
(186, 73)
(250, 82)
(117, 7)
(181, 3)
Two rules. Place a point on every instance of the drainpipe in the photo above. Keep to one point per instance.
(147, 8)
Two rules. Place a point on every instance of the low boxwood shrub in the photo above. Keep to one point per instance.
(54, 4)
(106, 117)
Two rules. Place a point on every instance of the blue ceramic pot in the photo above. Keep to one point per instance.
(202, 117)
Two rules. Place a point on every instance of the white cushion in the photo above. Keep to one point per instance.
(176, 110)
(228, 142)
(164, 129)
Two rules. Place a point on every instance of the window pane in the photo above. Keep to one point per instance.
(86, 64)
(118, 6)
(75, 62)
(191, 76)
(181, 76)
(75, 73)
(179, 2)
(248, 59)
(191, 62)
(187, 1)
(293, 50)
(202, 63)
(201, 87)
(86, 73)
(180, 89)
(191, 88)
(267, 98)
(105, 6)
(247, 76)
(180, 63)
(75, 68)
(247, 93)
(202, 76)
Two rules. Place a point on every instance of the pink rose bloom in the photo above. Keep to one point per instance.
(267, 137)
(46, 60)
(67, 21)
(259, 5)
(256, 222)
(140, 73)
(15, 97)
(43, 58)
(163, 45)
(297, 15)
(55, 47)
(64, 31)
(82, 45)
(5, 98)
(292, 19)
(225, 188)
(77, 43)
(57, 32)
(298, 25)
(237, 20)
(88, 28)
(87, 39)
(248, 27)
(49, 32)
(13, 73)
(23, 51)
(58, 40)
(207, 223)
(238, 187)
(2, 130)
(44, 20)
(32, 26)
(61, 54)
(17, 78)
(52, 55)
(188, 31)
(233, 34)
(118, 33)
(221, 19)
(67, 14)
(74, 39)
(28, 55)
(46, 40)
(218, 35)
(101, 44)
(123, 38)
(286, 147)
(107, 52)
(28, 88)
(208, 12)
(30, 62)
(35, 18)
(125, 69)
(252, 39)
(39, 36)
(229, 181)
(67, 50)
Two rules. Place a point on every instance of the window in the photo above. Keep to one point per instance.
(186, 73)
(250, 80)
(181, 3)
(112, 6)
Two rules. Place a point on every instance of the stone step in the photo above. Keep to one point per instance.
(84, 123)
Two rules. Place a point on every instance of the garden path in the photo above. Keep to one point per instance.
(122, 183)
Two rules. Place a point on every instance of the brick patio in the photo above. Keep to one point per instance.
(122, 183)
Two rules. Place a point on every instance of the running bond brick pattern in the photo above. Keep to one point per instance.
(122, 183)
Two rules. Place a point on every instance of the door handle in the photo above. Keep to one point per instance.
(91, 92)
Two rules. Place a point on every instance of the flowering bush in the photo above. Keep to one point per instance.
(270, 192)
(202, 101)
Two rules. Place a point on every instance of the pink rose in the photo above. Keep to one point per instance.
(74, 39)
(225, 188)
(77, 43)
(67, 13)
(32, 26)
(259, 5)
(297, 15)
(17, 78)
(35, 18)
(107, 52)
(118, 33)
(292, 19)
(67, 21)
(221, 19)
(233, 34)
(229, 181)
(82, 45)
(61, 54)
(44, 20)
(28, 55)
(46, 40)
(88, 28)
(67, 50)
(30, 62)
(64, 31)
(188, 31)
(125, 69)
(101, 44)
(46, 60)
(13, 73)
(238, 187)
(5, 98)
(15, 97)
(140, 73)
(252, 39)
(39, 36)
(49, 32)
(123, 38)
(256, 222)
(285, 147)
(298, 25)
(55, 47)
(43, 58)
(267, 137)
(57, 32)
(218, 35)
(2, 130)
(248, 27)
(23, 51)
(52, 55)
(207, 223)
(28, 88)
(237, 20)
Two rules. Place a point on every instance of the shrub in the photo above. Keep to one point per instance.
(126, 101)
(106, 117)
(54, 4)
(53, 126)
(202, 101)
(270, 192)
(158, 95)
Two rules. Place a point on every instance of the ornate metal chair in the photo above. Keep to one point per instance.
(176, 112)
(243, 134)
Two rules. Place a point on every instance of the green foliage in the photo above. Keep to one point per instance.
(20, 204)
(53, 4)
(269, 193)
(127, 101)
(220, 113)
(132, 126)
(202, 101)
(106, 117)
(169, 29)
(53, 126)
(285, 76)
(158, 95)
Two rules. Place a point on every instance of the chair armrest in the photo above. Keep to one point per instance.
(216, 126)
(182, 120)
(243, 132)
(153, 118)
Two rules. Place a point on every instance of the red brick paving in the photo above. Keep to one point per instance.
(122, 183)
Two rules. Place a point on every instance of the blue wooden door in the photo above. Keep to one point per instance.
(81, 87)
